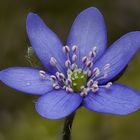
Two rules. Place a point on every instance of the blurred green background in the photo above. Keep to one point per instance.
(18, 118)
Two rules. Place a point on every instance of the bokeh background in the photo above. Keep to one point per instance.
(18, 118)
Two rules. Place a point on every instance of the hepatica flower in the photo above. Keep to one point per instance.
(79, 73)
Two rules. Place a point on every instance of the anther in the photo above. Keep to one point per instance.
(53, 77)
(56, 86)
(67, 63)
(42, 74)
(68, 82)
(84, 59)
(89, 64)
(107, 66)
(89, 73)
(108, 85)
(90, 83)
(74, 66)
(94, 49)
(69, 72)
(95, 87)
(96, 82)
(53, 61)
(68, 89)
(57, 75)
(92, 54)
(74, 58)
(79, 70)
(84, 92)
(61, 76)
(74, 49)
(96, 72)
(82, 87)
(85, 72)
(66, 49)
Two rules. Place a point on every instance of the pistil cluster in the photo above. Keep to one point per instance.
(80, 80)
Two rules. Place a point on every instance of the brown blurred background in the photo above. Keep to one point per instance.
(18, 118)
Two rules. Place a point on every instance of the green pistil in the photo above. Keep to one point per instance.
(78, 80)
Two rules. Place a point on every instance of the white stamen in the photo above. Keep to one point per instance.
(53, 61)
(108, 85)
(67, 63)
(74, 58)
(85, 72)
(96, 72)
(74, 49)
(84, 59)
(94, 49)
(42, 74)
(84, 92)
(66, 49)
(90, 83)
(89, 73)
(96, 82)
(61, 76)
(68, 82)
(89, 64)
(107, 66)
(92, 54)
(57, 75)
(69, 72)
(95, 87)
(56, 86)
(74, 66)
(79, 70)
(82, 87)
(53, 77)
(68, 89)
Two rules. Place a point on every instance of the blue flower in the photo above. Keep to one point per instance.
(79, 73)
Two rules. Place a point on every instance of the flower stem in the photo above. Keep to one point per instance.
(67, 127)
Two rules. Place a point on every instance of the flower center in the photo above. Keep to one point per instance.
(80, 80)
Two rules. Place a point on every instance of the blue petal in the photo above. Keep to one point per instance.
(88, 31)
(118, 99)
(58, 104)
(119, 54)
(25, 79)
(44, 42)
